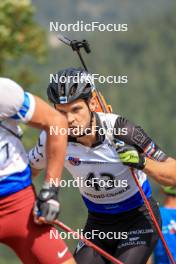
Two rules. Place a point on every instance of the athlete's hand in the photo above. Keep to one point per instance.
(47, 206)
(129, 156)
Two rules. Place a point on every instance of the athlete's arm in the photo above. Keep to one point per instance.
(44, 117)
(162, 172)
(20, 106)
(156, 164)
(47, 206)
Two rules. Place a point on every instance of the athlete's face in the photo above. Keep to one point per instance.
(78, 115)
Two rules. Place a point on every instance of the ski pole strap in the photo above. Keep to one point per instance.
(152, 217)
(88, 242)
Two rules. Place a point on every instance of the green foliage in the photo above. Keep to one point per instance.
(19, 35)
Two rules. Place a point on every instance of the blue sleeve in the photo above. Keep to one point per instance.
(26, 110)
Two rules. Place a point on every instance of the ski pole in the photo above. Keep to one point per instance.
(88, 242)
(152, 216)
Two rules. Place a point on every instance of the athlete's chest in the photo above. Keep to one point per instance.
(101, 159)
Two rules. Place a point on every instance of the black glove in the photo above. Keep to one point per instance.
(47, 206)
(129, 156)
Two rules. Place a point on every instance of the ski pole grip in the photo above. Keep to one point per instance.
(86, 46)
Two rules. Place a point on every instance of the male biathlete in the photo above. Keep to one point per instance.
(30, 241)
(92, 157)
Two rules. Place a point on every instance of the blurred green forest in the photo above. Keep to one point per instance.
(145, 53)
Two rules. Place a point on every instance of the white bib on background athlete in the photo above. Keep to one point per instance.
(15, 106)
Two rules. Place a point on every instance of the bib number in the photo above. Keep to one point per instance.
(105, 181)
(4, 154)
